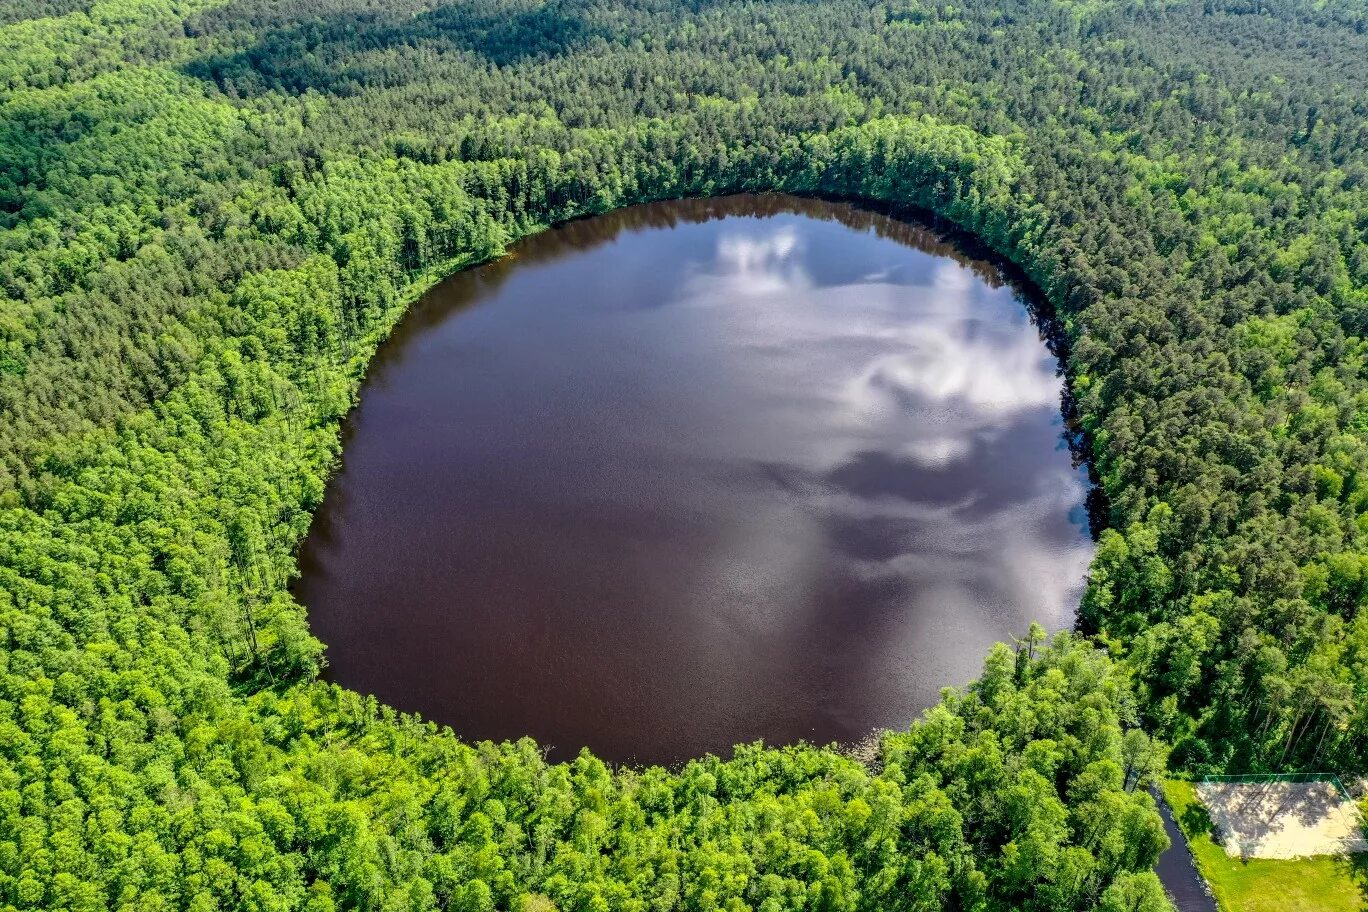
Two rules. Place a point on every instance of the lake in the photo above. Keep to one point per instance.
(698, 473)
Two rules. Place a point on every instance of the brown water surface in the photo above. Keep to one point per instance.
(698, 473)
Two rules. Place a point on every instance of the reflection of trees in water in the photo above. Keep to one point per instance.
(911, 227)
(906, 225)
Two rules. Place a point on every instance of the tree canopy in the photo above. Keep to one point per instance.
(211, 212)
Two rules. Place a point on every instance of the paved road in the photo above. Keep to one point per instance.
(1185, 886)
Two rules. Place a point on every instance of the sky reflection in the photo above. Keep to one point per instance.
(657, 490)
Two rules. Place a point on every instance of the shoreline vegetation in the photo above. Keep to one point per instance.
(210, 213)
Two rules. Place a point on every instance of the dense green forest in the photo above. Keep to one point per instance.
(212, 210)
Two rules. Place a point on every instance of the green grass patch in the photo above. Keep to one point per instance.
(1322, 884)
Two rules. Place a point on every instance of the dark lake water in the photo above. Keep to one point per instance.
(699, 473)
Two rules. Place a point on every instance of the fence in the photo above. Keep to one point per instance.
(1283, 815)
(1291, 778)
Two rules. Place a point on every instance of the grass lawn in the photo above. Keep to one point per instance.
(1322, 884)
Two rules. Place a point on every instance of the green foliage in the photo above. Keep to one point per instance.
(211, 212)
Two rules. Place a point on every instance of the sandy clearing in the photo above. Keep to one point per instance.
(1283, 819)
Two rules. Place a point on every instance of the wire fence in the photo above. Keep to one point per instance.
(1291, 778)
(1283, 815)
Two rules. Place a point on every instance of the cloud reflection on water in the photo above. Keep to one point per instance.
(695, 473)
(920, 435)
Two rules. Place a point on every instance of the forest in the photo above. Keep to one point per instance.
(211, 212)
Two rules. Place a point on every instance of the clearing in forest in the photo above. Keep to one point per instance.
(1324, 883)
(1281, 818)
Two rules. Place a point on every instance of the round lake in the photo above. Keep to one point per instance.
(699, 473)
